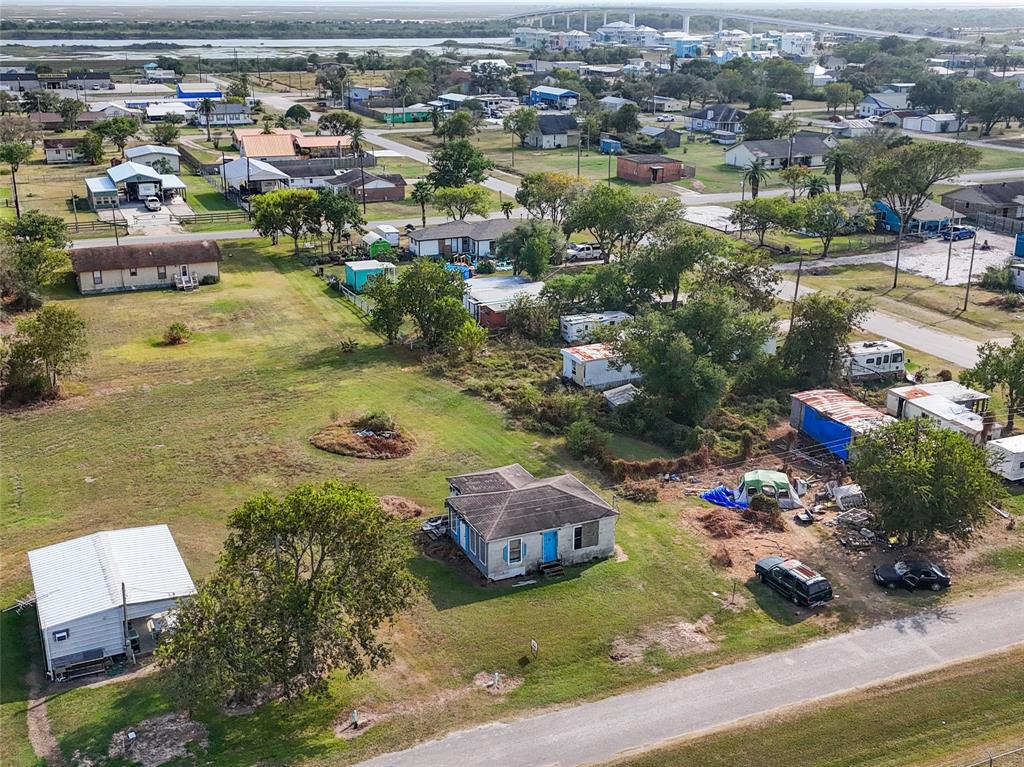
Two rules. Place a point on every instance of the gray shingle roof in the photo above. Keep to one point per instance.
(719, 113)
(803, 144)
(1000, 193)
(156, 254)
(489, 229)
(492, 480)
(551, 125)
(543, 504)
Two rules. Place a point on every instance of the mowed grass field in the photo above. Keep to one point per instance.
(957, 716)
(182, 435)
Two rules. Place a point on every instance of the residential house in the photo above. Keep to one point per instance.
(948, 404)
(803, 148)
(596, 366)
(358, 273)
(853, 128)
(666, 136)
(268, 147)
(651, 168)
(46, 120)
(249, 176)
(552, 97)
(307, 173)
(578, 327)
(895, 119)
(161, 110)
(663, 104)
(368, 92)
(62, 150)
(688, 47)
(931, 218)
(487, 299)
(237, 134)
(882, 103)
(98, 596)
(817, 76)
(625, 33)
(614, 103)
(1004, 199)
(833, 419)
(115, 109)
(935, 123)
(194, 92)
(147, 154)
(716, 117)
(508, 523)
(157, 75)
(796, 44)
(904, 87)
(456, 238)
(224, 114)
(118, 268)
(375, 187)
(554, 132)
(131, 182)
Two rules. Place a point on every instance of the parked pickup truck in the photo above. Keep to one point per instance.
(582, 252)
(796, 581)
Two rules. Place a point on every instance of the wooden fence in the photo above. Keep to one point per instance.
(999, 224)
(212, 217)
(80, 227)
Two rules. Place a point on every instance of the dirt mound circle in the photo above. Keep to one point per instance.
(364, 438)
(158, 740)
(676, 639)
(400, 507)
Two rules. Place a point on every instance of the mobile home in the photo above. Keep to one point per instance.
(578, 327)
(1008, 457)
(596, 366)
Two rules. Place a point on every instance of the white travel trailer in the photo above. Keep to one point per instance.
(1008, 457)
(874, 359)
(578, 327)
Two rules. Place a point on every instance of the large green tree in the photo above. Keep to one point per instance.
(522, 122)
(456, 164)
(117, 130)
(56, 340)
(432, 297)
(286, 211)
(337, 211)
(303, 587)
(763, 214)
(924, 479)
(827, 216)
(1000, 368)
(672, 253)
(617, 218)
(531, 247)
(36, 246)
(817, 340)
(461, 201)
(548, 194)
(388, 308)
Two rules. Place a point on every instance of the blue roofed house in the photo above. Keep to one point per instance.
(131, 181)
(509, 523)
(556, 98)
(930, 219)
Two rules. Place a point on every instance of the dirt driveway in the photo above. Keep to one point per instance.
(149, 222)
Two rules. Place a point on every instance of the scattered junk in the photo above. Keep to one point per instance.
(772, 484)
(436, 527)
(159, 740)
(846, 497)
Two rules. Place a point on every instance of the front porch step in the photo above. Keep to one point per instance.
(552, 570)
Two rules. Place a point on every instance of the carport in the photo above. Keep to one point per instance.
(139, 181)
(172, 186)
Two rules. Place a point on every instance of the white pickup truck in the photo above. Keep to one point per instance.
(582, 252)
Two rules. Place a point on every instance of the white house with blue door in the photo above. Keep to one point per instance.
(510, 523)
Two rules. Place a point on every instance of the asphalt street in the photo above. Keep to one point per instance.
(593, 733)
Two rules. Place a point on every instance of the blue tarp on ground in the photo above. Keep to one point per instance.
(723, 496)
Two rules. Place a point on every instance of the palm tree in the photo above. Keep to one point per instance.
(14, 153)
(507, 207)
(837, 160)
(816, 185)
(422, 194)
(268, 124)
(357, 146)
(206, 108)
(755, 174)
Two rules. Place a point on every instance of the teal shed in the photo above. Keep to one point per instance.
(358, 273)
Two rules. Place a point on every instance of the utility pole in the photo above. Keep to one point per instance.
(949, 252)
(579, 151)
(223, 175)
(899, 243)
(609, 168)
(74, 208)
(970, 271)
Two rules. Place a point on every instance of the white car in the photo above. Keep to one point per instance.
(666, 119)
(153, 203)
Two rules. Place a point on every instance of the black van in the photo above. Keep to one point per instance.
(796, 581)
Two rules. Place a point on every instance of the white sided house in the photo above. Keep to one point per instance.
(62, 150)
(595, 366)
(147, 154)
(948, 404)
(508, 523)
(1008, 457)
(866, 360)
(95, 596)
(119, 268)
(456, 238)
(578, 327)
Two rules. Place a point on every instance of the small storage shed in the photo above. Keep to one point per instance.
(375, 244)
(389, 233)
(358, 273)
(595, 366)
(578, 327)
(833, 419)
(509, 523)
(610, 145)
(96, 594)
(1008, 457)
(773, 484)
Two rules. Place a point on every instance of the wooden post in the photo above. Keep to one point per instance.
(796, 294)
(124, 623)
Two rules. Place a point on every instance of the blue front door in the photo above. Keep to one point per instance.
(550, 552)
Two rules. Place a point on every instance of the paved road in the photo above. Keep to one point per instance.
(597, 732)
(947, 346)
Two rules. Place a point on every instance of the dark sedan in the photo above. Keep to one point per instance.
(911, 575)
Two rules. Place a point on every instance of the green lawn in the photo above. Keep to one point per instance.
(964, 711)
(18, 646)
(919, 298)
(184, 434)
(204, 197)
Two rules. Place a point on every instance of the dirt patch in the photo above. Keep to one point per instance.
(158, 740)
(353, 438)
(676, 638)
(400, 507)
(620, 555)
(496, 683)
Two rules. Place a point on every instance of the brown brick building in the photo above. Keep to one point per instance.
(651, 168)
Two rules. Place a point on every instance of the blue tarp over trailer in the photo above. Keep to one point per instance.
(831, 434)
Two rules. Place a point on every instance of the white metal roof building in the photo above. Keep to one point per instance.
(88, 588)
